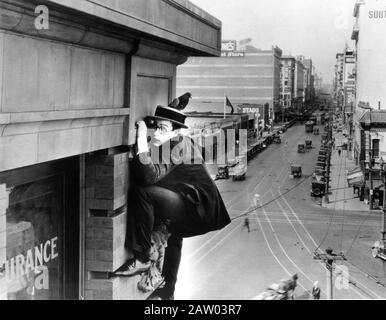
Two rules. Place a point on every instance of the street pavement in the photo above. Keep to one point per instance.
(287, 227)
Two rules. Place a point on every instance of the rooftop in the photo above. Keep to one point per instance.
(373, 116)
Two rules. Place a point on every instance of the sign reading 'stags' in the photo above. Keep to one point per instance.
(250, 110)
(34, 260)
(233, 54)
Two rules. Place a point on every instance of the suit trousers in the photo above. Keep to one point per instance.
(149, 207)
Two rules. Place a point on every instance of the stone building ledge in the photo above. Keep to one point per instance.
(66, 134)
(199, 32)
(38, 116)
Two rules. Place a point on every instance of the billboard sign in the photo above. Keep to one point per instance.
(228, 45)
(232, 54)
(229, 48)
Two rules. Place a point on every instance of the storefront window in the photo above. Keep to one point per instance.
(33, 269)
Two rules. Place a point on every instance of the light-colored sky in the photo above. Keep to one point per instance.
(314, 28)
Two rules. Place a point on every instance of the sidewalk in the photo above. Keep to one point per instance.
(342, 196)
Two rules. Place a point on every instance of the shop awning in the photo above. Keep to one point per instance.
(355, 177)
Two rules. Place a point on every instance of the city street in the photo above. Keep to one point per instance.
(286, 229)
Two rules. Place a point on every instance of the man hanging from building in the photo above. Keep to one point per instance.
(179, 192)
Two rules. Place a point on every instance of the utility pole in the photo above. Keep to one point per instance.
(371, 178)
(329, 258)
(370, 169)
(382, 173)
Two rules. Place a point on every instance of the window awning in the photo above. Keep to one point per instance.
(353, 170)
(355, 177)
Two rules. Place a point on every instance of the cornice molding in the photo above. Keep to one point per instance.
(18, 16)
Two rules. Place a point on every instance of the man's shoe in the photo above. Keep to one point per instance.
(133, 268)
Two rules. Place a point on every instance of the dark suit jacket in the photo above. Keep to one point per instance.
(187, 175)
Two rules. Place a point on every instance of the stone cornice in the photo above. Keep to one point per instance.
(109, 34)
(19, 16)
(40, 116)
(132, 16)
(193, 10)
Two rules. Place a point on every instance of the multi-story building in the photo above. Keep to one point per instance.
(309, 80)
(338, 82)
(250, 76)
(296, 81)
(287, 88)
(318, 84)
(300, 85)
(313, 95)
(349, 81)
(370, 49)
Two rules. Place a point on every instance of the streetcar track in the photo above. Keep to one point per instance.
(299, 237)
(251, 189)
(274, 255)
(308, 249)
(207, 242)
(247, 188)
(278, 241)
(312, 239)
(285, 253)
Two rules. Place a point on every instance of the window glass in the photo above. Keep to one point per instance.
(33, 266)
(376, 148)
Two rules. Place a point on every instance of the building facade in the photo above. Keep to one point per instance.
(318, 84)
(75, 77)
(300, 85)
(370, 87)
(297, 83)
(309, 93)
(251, 76)
(338, 82)
(287, 93)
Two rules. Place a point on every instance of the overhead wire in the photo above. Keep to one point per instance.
(358, 231)
(366, 273)
(270, 201)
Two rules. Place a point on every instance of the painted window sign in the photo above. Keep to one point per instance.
(31, 268)
(31, 263)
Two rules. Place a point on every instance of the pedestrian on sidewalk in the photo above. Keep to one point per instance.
(246, 224)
